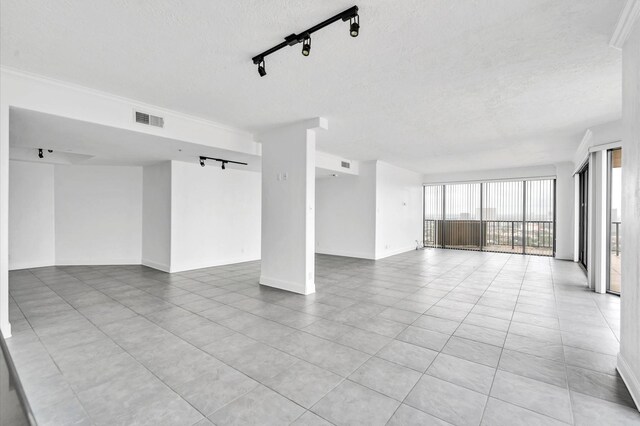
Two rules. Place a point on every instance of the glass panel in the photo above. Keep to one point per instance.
(462, 215)
(539, 219)
(583, 236)
(502, 216)
(615, 212)
(433, 216)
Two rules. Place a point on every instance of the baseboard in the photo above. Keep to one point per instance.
(285, 285)
(93, 262)
(201, 265)
(5, 328)
(29, 265)
(343, 253)
(388, 253)
(159, 266)
(630, 379)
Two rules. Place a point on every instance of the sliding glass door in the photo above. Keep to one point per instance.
(433, 215)
(539, 217)
(462, 216)
(500, 216)
(615, 221)
(583, 226)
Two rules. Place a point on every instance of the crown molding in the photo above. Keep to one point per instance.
(627, 19)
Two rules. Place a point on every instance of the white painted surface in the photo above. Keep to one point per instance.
(630, 299)
(44, 95)
(288, 207)
(345, 214)
(98, 215)
(5, 326)
(215, 216)
(156, 216)
(371, 216)
(496, 174)
(107, 145)
(488, 83)
(31, 215)
(398, 209)
(328, 165)
(597, 136)
(565, 204)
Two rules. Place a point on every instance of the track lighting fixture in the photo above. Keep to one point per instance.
(304, 37)
(40, 154)
(261, 70)
(354, 26)
(306, 46)
(224, 162)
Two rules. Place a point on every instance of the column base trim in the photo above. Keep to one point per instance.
(6, 330)
(291, 286)
(632, 382)
(155, 265)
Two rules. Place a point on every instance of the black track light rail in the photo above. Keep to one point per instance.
(293, 39)
(220, 160)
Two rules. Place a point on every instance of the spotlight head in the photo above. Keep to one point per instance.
(201, 162)
(223, 165)
(40, 154)
(261, 69)
(354, 28)
(306, 46)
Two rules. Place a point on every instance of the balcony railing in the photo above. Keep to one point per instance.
(615, 237)
(491, 235)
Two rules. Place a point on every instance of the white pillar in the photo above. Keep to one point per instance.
(4, 221)
(288, 206)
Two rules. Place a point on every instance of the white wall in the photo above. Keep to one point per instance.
(215, 216)
(31, 215)
(565, 204)
(345, 214)
(371, 216)
(156, 216)
(629, 357)
(595, 136)
(98, 215)
(398, 209)
(478, 175)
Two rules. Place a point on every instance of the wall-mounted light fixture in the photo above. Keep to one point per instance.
(203, 160)
(304, 37)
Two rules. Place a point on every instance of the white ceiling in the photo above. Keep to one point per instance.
(433, 86)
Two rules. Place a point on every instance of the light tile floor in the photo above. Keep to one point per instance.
(427, 337)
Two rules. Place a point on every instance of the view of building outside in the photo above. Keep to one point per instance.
(502, 216)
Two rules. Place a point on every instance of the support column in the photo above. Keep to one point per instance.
(4, 221)
(288, 206)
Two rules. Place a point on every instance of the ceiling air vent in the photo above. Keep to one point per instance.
(346, 164)
(149, 120)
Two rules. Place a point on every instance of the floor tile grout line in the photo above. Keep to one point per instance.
(378, 289)
(564, 358)
(524, 275)
(439, 352)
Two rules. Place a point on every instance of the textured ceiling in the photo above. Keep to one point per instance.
(433, 86)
